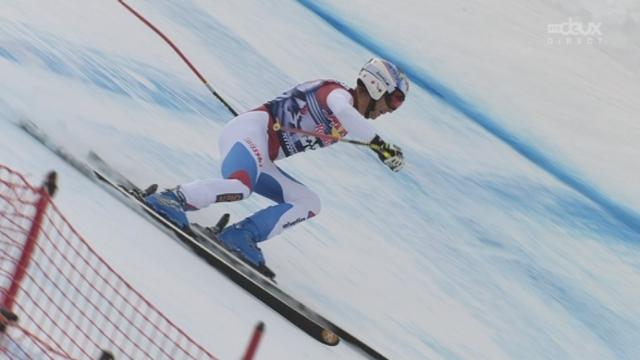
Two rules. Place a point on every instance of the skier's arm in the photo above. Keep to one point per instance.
(341, 104)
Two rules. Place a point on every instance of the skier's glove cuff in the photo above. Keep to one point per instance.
(391, 155)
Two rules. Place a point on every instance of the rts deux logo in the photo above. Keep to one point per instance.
(573, 32)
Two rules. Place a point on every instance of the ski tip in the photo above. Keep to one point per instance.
(93, 155)
(329, 337)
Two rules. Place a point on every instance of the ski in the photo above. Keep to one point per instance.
(254, 282)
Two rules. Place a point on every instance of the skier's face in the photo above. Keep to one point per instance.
(381, 107)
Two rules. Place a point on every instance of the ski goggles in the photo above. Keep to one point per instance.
(395, 99)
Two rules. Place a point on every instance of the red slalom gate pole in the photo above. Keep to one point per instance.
(255, 340)
(45, 191)
(182, 56)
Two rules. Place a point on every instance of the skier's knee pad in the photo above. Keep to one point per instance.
(239, 164)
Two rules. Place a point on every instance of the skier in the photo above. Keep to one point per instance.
(311, 115)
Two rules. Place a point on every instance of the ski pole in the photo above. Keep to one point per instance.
(181, 55)
(371, 146)
(278, 127)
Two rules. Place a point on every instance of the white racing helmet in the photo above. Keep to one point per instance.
(381, 77)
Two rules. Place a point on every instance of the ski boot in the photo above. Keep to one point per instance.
(241, 239)
(171, 205)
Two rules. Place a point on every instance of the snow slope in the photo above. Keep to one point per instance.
(512, 232)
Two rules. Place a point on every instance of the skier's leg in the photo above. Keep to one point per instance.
(240, 172)
(295, 202)
(242, 144)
